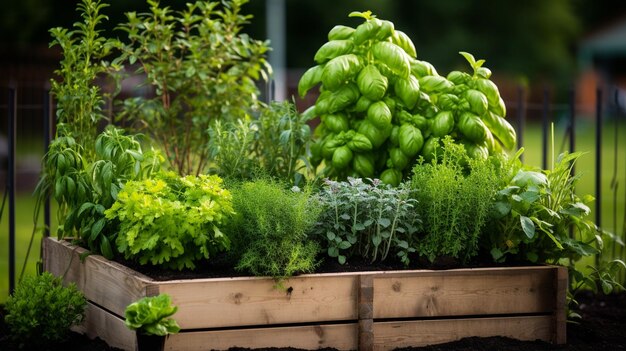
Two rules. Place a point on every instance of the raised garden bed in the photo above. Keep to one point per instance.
(379, 310)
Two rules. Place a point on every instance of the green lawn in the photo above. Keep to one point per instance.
(24, 209)
(532, 156)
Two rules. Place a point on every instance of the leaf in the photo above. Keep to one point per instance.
(136, 155)
(284, 137)
(105, 247)
(114, 191)
(341, 259)
(469, 57)
(97, 228)
(384, 222)
(517, 198)
(607, 287)
(496, 253)
(525, 178)
(577, 209)
(508, 190)
(532, 256)
(83, 208)
(359, 227)
(579, 247)
(365, 14)
(352, 239)
(344, 245)
(501, 209)
(403, 244)
(618, 263)
(333, 251)
(530, 196)
(528, 226)
(376, 240)
(330, 235)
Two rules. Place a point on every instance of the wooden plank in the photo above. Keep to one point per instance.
(212, 303)
(106, 326)
(560, 314)
(464, 292)
(366, 312)
(338, 336)
(106, 283)
(391, 335)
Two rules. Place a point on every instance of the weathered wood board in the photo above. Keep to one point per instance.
(361, 310)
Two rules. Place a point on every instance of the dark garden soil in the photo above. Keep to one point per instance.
(603, 327)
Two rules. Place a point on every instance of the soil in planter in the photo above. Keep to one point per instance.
(602, 328)
(220, 267)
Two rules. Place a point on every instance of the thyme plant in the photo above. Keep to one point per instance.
(455, 194)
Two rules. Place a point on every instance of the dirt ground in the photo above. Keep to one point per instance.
(603, 327)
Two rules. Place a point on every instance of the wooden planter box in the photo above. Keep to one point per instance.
(346, 311)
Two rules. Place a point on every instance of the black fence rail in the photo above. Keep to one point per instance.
(610, 113)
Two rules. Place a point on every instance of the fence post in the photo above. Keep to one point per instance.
(11, 108)
(614, 178)
(46, 144)
(572, 124)
(598, 163)
(599, 157)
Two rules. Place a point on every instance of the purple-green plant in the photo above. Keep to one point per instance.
(367, 218)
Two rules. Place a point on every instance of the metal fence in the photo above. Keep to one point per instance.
(609, 114)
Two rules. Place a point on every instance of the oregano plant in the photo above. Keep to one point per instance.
(368, 218)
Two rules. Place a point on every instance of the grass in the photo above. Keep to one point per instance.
(613, 197)
(24, 208)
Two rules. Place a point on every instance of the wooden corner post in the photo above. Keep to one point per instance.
(560, 317)
(366, 312)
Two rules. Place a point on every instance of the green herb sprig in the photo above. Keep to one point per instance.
(455, 193)
(368, 219)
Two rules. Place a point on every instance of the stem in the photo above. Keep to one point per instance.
(356, 205)
(393, 229)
